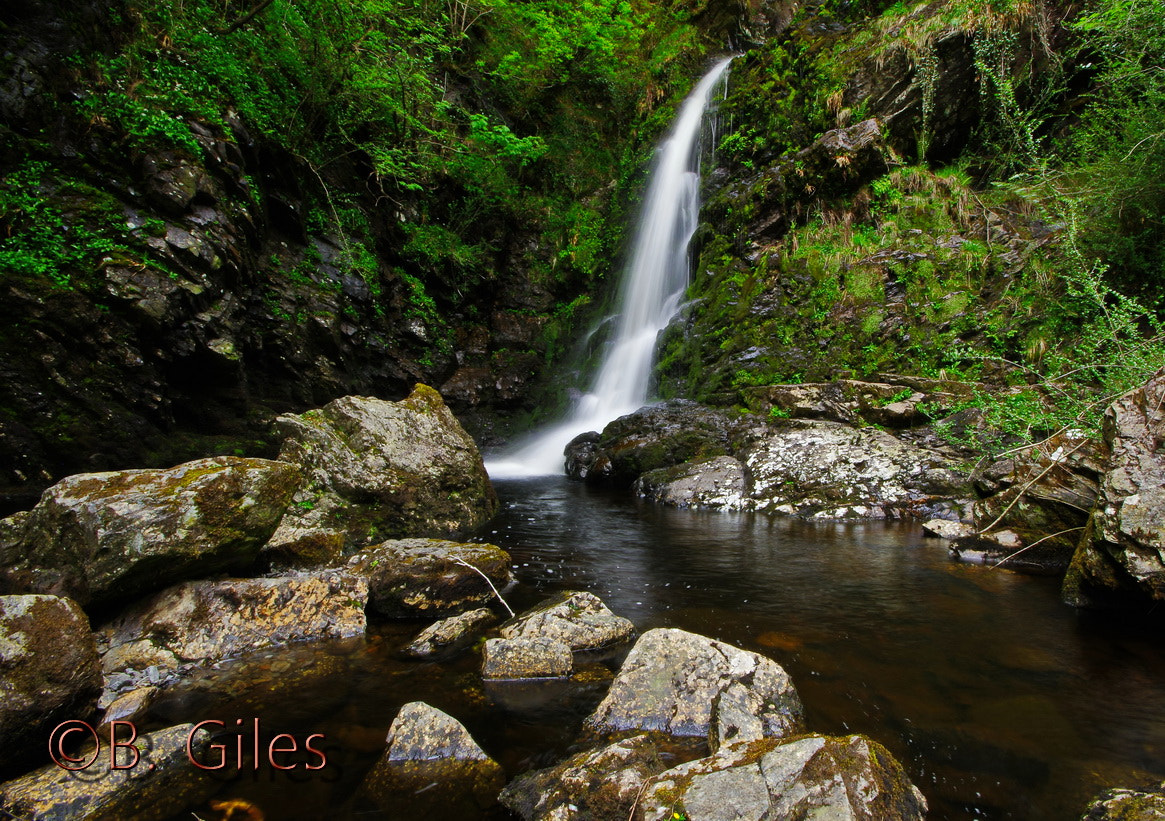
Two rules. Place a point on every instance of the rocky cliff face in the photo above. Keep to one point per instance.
(162, 301)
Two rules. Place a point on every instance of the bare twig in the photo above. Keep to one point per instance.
(487, 581)
(1033, 544)
(1028, 486)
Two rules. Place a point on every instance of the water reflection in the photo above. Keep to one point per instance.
(1001, 701)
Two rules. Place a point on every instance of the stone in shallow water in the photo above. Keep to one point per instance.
(579, 620)
(1127, 805)
(449, 633)
(673, 681)
(848, 778)
(600, 783)
(525, 658)
(431, 767)
(215, 620)
(430, 577)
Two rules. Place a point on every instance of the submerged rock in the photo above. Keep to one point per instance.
(197, 621)
(430, 577)
(162, 782)
(688, 685)
(381, 469)
(431, 766)
(522, 658)
(1121, 561)
(49, 671)
(579, 620)
(806, 777)
(449, 633)
(102, 537)
(1127, 805)
(595, 784)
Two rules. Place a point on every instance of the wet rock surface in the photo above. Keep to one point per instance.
(387, 469)
(161, 783)
(686, 455)
(1121, 560)
(525, 658)
(449, 634)
(1127, 805)
(430, 577)
(199, 621)
(49, 671)
(688, 685)
(595, 784)
(432, 766)
(579, 620)
(806, 777)
(101, 537)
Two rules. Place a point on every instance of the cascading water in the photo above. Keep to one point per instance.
(653, 285)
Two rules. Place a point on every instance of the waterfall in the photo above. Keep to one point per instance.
(653, 285)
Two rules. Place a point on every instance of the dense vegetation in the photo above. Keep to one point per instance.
(444, 161)
(1024, 254)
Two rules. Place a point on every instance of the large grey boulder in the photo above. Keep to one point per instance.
(1121, 562)
(830, 470)
(523, 658)
(101, 537)
(684, 684)
(48, 670)
(579, 620)
(197, 621)
(817, 777)
(431, 577)
(161, 783)
(594, 784)
(380, 469)
(431, 767)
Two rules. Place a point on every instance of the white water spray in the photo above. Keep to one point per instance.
(653, 286)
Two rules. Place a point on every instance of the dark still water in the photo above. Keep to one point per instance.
(1000, 701)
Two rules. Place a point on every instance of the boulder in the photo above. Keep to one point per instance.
(380, 469)
(197, 621)
(654, 437)
(685, 684)
(806, 777)
(303, 547)
(1121, 561)
(102, 537)
(948, 529)
(48, 671)
(449, 633)
(431, 767)
(595, 784)
(423, 733)
(718, 483)
(523, 658)
(161, 783)
(430, 577)
(1127, 805)
(829, 470)
(579, 620)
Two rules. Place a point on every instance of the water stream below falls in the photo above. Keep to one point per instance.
(1000, 701)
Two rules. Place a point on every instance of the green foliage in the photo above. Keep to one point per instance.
(40, 240)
